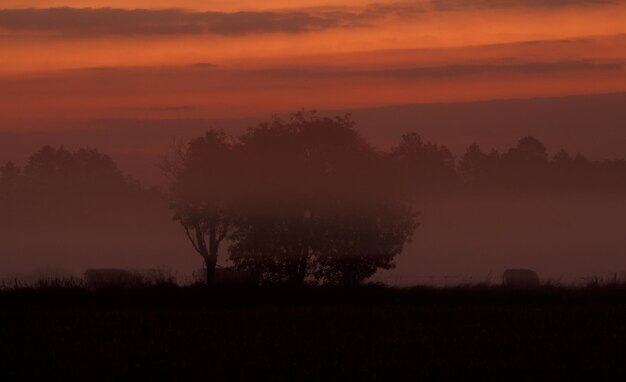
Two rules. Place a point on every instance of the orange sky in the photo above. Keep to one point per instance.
(179, 59)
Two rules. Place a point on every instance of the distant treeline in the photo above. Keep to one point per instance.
(414, 166)
(420, 167)
(306, 198)
(58, 186)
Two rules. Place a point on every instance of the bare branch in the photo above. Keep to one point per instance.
(195, 246)
(225, 228)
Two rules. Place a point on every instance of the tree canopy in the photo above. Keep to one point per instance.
(282, 193)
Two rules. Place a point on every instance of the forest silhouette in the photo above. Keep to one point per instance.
(294, 200)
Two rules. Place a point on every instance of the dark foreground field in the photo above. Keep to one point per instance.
(316, 334)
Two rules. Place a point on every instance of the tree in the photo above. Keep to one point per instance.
(478, 168)
(202, 193)
(295, 167)
(422, 166)
(355, 245)
(562, 159)
(277, 247)
(60, 174)
(307, 171)
(525, 166)
(529, 151)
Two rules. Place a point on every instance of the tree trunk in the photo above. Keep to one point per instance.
(210, 260)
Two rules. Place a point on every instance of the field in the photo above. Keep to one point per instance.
(369, 333)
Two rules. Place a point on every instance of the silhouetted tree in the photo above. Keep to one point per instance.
(525, 166)
(562, 158)
(529, 151)
(56, 174)
(355, 243)
(278, 247)
(422, 166)
(69, 192)
(301, 169)
(202, 192)
(477, 168)
(295, 167)
(569, 172)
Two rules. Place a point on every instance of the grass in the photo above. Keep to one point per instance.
(316, 333)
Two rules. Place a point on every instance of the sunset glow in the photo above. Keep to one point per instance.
(166, 59)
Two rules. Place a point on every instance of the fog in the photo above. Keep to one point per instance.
(591, 125)
(318, 182)
(567, 239)
(460, 239)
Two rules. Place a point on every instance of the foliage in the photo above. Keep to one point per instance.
(201, 192)
(355, 244)
(313, 178)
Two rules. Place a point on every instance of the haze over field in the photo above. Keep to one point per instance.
(459, 240)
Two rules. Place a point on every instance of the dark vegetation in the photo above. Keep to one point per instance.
(302, 200)
(299, 199)
(316, 210)
(278, 333)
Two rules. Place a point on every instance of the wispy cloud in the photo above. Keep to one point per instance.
(88, 22)
(453, 70)
(98, 22)
(162, 109)
(461, 4)
(212, 78)
(94, 22)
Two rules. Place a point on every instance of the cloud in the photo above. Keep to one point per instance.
(213, 77)
(99, 22)
(454, 70)
(202, 65)
(95, 22)
(443, 5)
(161, 109)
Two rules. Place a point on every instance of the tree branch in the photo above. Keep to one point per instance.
(195, 246)
(225, 227)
